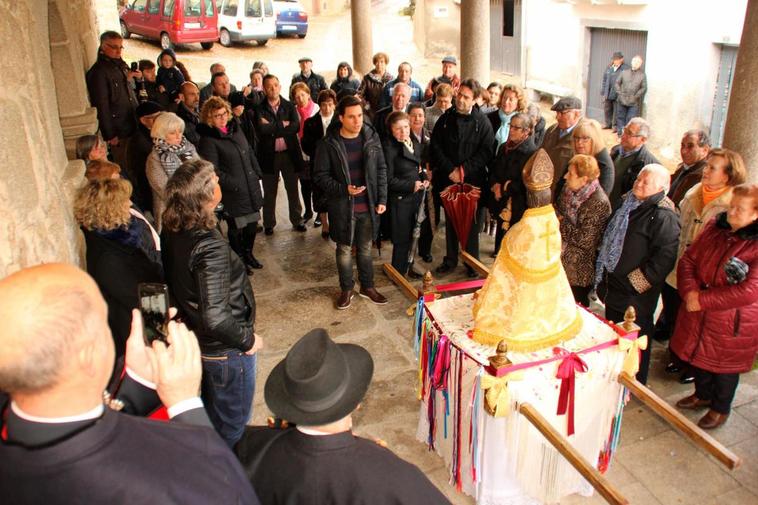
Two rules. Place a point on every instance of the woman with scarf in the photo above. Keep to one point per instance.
(373, 83)
(170, 149)
(637, 252)
(512, 101)
(717, 327)
(314, 129)
(123, 250)
(306, 109)
(345, 83)
(508, 200)
(583, 210)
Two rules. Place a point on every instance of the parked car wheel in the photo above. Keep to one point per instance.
(166, 41)
(125, 33)
(224, 38)
(262, 42)
(301, 35)
(206, 45)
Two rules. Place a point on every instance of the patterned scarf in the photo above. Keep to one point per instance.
(505, 126)
(572, 200)
(172, 156)
(613, 238)
(408, 143)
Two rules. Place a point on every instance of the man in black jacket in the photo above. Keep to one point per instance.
(139, 146)
(188, 109)
(314, 81)
(349, 168)
(279, 153)
(629, 156)
(110, 92)
(320, 461)
(462, 145)
(59, 444)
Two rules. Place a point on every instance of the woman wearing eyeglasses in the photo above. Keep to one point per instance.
(587, 140)
(223, 143)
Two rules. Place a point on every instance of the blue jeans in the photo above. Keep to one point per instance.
(363, 232)
(227, 392)
(623, 114)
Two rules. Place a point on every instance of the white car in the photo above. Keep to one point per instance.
(242, 20)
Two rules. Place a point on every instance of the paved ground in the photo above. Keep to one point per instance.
(296, 289)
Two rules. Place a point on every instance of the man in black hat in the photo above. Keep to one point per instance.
(139, 147)
(449, 63)
(314, 81)
(558, 142)
(317, 387)
(608, 90)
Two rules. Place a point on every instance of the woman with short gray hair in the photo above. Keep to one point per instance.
(170, 149)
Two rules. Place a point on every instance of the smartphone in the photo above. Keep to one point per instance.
(153, 304)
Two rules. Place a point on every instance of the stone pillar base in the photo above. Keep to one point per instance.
(74, 127)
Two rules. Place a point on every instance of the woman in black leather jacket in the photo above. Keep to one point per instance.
(208, 285)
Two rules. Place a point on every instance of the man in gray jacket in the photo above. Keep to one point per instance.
(630, 86)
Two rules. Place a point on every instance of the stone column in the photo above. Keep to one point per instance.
(739, 131)
(475, 40)
(360, 17)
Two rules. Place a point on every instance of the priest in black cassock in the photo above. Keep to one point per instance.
(59, 444)
(319, 461)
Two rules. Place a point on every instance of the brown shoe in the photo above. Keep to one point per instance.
(692, 402)
(373, 295)
(344, 300)
(712, 419)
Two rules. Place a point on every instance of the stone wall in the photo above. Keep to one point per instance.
(37, 180)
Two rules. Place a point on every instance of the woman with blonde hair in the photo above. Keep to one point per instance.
(123, 250)
(170, 149)
(512, 101)
(588, 140)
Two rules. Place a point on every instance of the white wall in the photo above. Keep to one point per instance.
(682, 53)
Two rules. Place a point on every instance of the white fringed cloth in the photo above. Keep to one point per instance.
(505, 460)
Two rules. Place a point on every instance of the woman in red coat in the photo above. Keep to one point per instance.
(717, 327)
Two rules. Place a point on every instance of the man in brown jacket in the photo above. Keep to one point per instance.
(694, 150)
(558, 142)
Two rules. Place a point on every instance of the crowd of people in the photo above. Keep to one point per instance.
(367, 159)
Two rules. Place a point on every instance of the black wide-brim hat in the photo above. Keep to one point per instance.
(319, 381)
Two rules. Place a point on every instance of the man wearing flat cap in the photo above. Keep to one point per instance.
(449, 64)
(317, 387)
(314, 81)
(558, 142)
(608, 90)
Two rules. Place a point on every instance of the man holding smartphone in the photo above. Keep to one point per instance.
(349, 168)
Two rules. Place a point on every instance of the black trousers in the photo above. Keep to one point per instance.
(671, 303)
(242, 240)
(609, 109)
(306, 189)
(719, 388)
(451, 241)
(582, 294)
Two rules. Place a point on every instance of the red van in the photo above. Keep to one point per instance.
(171, 21)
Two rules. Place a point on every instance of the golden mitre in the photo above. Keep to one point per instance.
(526, 300)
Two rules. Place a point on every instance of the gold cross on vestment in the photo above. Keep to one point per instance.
(546, 236)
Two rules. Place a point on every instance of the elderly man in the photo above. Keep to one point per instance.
(189, 109)
(59, 443)
(207, 90)
(317, 386)
(401, 96)
(314, 81)
(448, 77)
(631, 87)
(558, 142)
(629, 156)
(608, 88)
(404, 71)
(694, 149)
(637, 252)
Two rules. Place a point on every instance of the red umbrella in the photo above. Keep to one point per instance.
(459, 201)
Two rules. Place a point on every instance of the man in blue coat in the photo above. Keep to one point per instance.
(608, 92)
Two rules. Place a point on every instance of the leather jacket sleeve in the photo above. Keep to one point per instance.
(211, 268)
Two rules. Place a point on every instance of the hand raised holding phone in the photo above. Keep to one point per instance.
(177, 368)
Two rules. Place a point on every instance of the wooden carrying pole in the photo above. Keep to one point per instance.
(474, 263)
(681, 423)
(589, 472)
(405, 286)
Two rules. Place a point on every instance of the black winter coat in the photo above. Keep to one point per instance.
(626, 171)
(209, 285)
(113, 97)
(273, 128)
(506, 168)
(139, 148)
(402, 174)
(238, 171)
(191, 120)
(465, 139)
(332, 175)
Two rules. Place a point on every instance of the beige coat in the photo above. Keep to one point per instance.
(693, 218)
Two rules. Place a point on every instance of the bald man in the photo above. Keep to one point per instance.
(58, 443)
(189, 110)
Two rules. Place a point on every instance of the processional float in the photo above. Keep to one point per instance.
(521, 390)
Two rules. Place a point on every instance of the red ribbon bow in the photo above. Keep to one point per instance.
(571, 364)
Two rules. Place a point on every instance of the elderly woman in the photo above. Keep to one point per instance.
(213, 296)
(91, 147)
(717, 327)
(583, 209)
(638, 250)
(306, 109)
(508, 201)
(512, 101)
(723, 171)
(314, 129)
(223, 143)
(170, 149)
(373, 83)
(345, 83)
(538, 132)
(588, 140)
(123, 250)
(405, 182)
